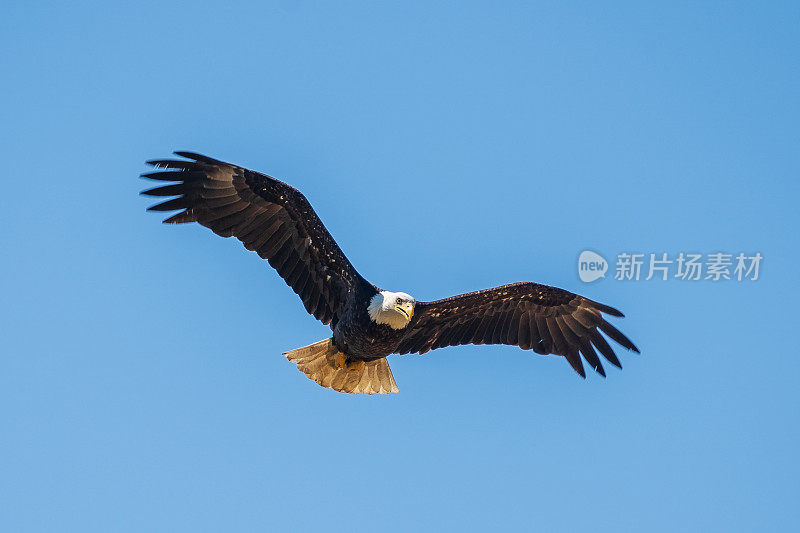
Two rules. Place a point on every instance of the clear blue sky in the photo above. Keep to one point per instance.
(141, 382)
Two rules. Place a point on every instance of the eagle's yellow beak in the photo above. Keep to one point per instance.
(406, 308)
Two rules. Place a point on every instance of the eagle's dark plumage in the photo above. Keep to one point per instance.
(276, 221)
(532, 316)
(270, 217)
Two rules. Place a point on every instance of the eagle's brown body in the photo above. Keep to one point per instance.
(360, 338)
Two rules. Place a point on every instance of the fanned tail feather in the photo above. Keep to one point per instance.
(317, 362)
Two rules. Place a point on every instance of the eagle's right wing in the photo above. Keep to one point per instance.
(269, 217)
(529, 315)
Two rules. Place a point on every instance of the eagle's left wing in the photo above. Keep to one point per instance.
(529, 315)
(270, 217)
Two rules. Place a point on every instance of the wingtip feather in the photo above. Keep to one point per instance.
(607, 309)
(181, 218)
(197, 157)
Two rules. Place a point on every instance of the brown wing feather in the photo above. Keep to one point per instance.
(534, 317)
(270, 217)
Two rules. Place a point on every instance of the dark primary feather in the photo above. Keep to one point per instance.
(532, 316)
(269, 217)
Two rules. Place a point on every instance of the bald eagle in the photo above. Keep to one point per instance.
(368, 323)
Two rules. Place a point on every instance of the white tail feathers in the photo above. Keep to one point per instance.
(323, 363)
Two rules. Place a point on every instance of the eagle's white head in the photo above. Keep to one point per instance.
(394, 309)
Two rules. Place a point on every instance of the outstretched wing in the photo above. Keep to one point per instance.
(532, 316)
(269, 217)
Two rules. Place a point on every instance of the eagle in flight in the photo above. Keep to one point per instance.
(368, 323)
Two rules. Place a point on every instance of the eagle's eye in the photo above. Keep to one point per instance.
(400, 301)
